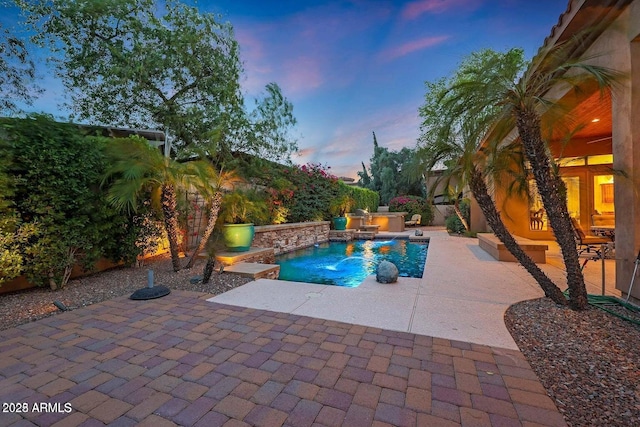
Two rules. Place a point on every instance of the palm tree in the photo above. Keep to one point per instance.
(135, 168)
(452, 138)
(523, 103)
(209, 184)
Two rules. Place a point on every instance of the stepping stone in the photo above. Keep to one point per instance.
(254, 270)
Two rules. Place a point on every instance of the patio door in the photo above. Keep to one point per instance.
(573, 195)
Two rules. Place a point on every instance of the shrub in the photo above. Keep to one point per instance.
(313, 190)
(364, 198)
(452, 222)
(413, 205)
(56, 173)
(243, 207)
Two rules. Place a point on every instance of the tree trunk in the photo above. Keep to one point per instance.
(553, 194)
(208, 269)
(456, 208)
(170, 214)
(488, 207)
(213, 217)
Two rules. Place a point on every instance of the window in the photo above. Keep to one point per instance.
(603, 194)
(603, 159)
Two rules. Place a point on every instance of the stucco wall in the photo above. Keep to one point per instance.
(619, 48)
(289, 237)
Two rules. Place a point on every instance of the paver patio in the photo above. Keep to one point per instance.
(180, 360)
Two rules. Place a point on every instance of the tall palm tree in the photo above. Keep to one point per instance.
(452, 137)
(135, 168)
(523, 103)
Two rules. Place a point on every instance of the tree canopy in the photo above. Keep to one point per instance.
(390, 173)
(17, 72)
(136, 64)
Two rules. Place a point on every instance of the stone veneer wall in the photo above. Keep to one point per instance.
(289, 237)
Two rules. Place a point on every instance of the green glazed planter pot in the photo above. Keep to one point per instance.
(340, 223)
(238, 237)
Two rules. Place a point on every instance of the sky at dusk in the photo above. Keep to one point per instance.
(353, 67)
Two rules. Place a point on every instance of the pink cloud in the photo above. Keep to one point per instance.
(349, 144)
(306, 152)
(310, 49)
(302, 74)
(412, 46)
(414, 9)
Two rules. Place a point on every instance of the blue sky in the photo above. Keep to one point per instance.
(353, 67)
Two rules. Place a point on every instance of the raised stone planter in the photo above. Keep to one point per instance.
(289, 237)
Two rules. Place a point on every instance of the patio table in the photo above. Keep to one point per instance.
(605, 230)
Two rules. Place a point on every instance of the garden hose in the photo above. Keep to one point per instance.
(604, 301)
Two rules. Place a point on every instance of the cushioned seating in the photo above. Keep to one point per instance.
(415, 220)
(607, 220)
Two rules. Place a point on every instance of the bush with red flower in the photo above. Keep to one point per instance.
(413, 205)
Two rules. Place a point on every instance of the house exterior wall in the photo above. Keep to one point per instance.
(618, 48)
(626, 148)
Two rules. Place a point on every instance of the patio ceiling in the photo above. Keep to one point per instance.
(591, 116)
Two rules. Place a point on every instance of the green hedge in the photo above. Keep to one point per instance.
(363, 197)
(59, 213)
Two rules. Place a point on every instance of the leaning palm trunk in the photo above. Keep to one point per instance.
(456, 208)
(169, 212)
(213, 217)
(481, 194)
(208, 269)
(553, 194)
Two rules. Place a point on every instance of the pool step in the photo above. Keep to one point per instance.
(259, 255)
(254, 270)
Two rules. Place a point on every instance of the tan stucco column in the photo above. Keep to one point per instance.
(626, 158)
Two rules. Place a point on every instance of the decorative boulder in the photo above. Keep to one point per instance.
(386, 272)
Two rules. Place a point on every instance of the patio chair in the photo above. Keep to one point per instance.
(536, 219)
(415, 220)
(588, 243)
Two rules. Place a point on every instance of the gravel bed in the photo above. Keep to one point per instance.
(33, 304)
(587, 361)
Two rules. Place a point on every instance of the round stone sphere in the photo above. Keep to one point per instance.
(386, 272)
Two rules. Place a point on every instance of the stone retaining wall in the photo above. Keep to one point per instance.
(289, 237)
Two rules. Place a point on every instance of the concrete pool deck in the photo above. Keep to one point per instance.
(462, 295)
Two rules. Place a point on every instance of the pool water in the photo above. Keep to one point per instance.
(349, 263)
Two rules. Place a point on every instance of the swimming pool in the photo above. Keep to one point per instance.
(349, 263)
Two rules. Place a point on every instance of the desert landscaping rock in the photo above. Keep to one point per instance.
(386, 272)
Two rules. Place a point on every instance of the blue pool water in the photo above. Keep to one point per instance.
(348, 264)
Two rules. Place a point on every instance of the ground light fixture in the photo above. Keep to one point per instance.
(60, 305)
(151, 291)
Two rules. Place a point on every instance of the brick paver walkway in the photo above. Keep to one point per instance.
(180, 360)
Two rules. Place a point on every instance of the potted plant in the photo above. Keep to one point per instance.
(236, 212)
(339, 207)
